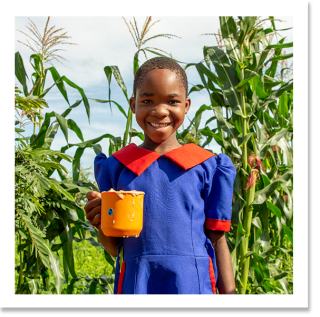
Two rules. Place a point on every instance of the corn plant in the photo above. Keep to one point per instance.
(46, 211)
(47, 216)
(253, 111)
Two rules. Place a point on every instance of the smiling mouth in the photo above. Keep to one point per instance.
(159, 125)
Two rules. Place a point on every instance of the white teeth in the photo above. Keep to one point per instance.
(159, 125)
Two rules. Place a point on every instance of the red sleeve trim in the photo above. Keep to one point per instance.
(123, 268)
(216, 224)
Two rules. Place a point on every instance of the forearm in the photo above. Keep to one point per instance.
(109, 243)
(226, 284)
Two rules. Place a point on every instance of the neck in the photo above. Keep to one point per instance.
(160, 148)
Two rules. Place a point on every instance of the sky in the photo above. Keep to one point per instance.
(106, 41)
(103, 39)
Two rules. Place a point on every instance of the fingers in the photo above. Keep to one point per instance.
(91, 195)
(92, 204)
(93, 212)
(96, 220)
(93, 208)
(94, 216)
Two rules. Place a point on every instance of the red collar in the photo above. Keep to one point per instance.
(138, 159)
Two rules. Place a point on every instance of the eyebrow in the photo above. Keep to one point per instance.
(173, 95)
(149, 94)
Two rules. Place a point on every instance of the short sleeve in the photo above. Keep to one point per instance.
(102, 173)
(218, 192)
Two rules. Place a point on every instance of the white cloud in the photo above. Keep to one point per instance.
(105, 41)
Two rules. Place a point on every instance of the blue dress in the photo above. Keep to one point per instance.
(186, 190)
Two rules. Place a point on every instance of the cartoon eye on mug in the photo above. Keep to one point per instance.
(110, 211)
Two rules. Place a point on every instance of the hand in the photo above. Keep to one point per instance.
(93, 208)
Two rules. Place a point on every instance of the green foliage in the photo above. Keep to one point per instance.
(47, 210)
(49, 215)
(256, 133)
(94, 265)
(251, 99)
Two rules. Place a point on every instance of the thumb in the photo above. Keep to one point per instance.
(91, 195)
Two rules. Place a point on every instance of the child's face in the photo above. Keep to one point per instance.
(160, 105)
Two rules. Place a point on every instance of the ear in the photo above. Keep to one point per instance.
(188, 104)
(133, 104)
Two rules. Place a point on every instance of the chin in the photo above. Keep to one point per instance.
(158, 140)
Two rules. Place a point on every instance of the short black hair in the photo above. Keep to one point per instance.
(159, 63)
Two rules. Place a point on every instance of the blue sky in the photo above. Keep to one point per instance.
(106, 41)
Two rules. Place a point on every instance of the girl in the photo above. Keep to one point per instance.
(188, 196)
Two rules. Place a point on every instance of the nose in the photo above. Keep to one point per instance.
(160, 110)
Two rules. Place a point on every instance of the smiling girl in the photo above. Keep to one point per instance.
(188, 196)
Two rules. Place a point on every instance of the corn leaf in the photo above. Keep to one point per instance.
(97, 148)
(87, 143)
(228, 75)
(287, 232)
(74, 127)
(136, 62)
(274, 209)
(76, 104)
(83, 95)
(59, 83)
(224, 124)
(261, 195)
(271, 71)
(91, 240)
(67, 237)
(105, 101)
(277, 46)
(195, 88)
(262, 146)
(205, 71)
(230, 36)
(246, 24)
(109, 70)
(248, 74)
(281, 57)
(21, 72)
(76, 163)
(55, 268)
(63, 125)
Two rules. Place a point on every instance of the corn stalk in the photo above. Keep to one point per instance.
(241, 78)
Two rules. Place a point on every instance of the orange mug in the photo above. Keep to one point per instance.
(121, 213)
